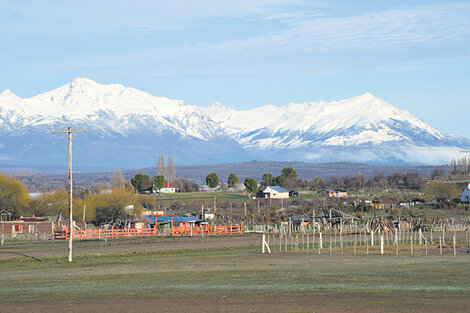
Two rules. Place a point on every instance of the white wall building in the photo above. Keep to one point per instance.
(465, 197)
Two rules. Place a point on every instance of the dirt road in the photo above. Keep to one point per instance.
(40, 249)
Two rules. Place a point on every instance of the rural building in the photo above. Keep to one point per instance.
(152, 212)
(177, 221)
(275, 192)
(168, 189)
(465, 197)
(208, 215)
(337, 193)
(34, 227)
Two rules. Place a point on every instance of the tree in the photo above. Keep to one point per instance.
(114, 207)
(441, 191)
(279, 181)
(267, 178)
(232, 180)
(13, 195)
(437, 173)
(141, 182)
(51, 204)
(412, 181)
(159, 182)
(117, 181)
(171, 170)
(289, 173)
(212, 180)
(251, 185)
(161, 169)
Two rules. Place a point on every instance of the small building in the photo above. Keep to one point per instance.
(152, 212)
(208, 216)
(175, 220)
(35, 227)
(275, 192)
(337, 193)
(168, 189)
(465, 197)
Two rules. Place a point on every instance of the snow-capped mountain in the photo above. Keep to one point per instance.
(128, 128)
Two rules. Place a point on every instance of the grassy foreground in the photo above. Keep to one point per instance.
(234, 280)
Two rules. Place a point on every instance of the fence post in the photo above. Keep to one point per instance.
(411, 244)
(454, 242)
(381, 244)
(440, 245)
(420, 235)
(396, 242)
(262, 243)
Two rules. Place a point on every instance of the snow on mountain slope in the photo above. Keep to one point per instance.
(130, 127)
(360, 120)
(110, 108)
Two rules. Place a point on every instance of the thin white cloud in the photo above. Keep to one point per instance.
(309, 45)
(138, 15)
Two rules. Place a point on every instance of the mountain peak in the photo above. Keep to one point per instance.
(83, 81)
(366, 97)
(7, 92)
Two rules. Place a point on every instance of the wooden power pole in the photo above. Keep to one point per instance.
(69, 131)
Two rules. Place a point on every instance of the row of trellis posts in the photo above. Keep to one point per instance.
(358, 240)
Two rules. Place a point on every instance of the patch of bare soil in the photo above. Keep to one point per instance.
(116, 246)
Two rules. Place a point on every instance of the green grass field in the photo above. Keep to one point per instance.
(237, 280)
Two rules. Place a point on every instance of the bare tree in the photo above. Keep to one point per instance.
(117, 181)
(161, 169)
(171, 170)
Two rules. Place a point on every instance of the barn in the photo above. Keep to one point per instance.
(276, 192)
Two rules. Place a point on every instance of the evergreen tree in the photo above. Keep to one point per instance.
(159, 182)
(232, 180)
(212, 180)
(251, 185)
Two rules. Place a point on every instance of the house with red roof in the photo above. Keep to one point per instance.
(168, 189)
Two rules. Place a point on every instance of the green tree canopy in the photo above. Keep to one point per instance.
(159, 181)
(232, 180)
(212, 180)
(318, 180)
(267, 178)
(251, 185)
(13, 196)
(141, 182)
(279, 181)
(289, 173)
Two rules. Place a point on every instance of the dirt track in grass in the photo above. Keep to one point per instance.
(41, 249)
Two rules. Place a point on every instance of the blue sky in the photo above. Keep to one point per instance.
(248, 53)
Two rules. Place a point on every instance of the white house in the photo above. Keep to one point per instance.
(465, 197)
(168, 189)
(275, 192)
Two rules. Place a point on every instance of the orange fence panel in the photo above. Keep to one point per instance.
(146, 232)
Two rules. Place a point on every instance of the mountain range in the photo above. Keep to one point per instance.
(127, 128)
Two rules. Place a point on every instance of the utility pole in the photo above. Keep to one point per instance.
(69, 131)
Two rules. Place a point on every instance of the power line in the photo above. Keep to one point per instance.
(69, 131)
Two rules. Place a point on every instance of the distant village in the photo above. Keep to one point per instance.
(165, 203)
